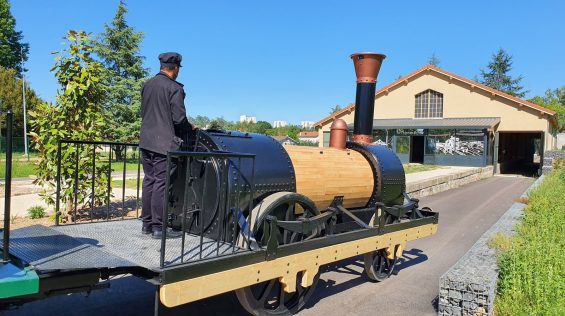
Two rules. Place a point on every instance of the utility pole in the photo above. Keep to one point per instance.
(25, 111)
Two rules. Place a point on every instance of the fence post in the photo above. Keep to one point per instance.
(8, 186)
(58, 193)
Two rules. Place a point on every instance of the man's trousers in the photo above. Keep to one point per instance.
(153, 190)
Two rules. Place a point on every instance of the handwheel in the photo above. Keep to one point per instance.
(269, 298)
(378, 265)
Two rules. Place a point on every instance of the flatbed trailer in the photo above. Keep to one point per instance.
(82, 257)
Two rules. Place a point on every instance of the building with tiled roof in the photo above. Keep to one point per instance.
(437, 117)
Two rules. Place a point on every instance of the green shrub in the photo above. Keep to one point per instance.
(52, 218)
(558, 163)
(499, 242)
(77, 115)
(36, 212)
(532, 271)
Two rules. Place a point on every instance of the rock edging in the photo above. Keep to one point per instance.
(469, 286)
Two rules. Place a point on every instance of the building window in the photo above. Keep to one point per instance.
(326, 139)
(429, 104)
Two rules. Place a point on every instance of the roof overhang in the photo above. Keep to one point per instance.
(440, 123)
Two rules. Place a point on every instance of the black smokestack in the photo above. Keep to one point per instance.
(367, 66)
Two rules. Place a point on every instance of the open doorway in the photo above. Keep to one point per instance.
(417, 149)
(520, 152)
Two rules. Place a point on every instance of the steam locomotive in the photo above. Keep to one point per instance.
(258, 218)
(363, 183)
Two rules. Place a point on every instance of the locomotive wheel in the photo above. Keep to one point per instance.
(269, 298)
(378, 265)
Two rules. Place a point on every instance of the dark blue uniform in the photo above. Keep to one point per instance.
(163, 124)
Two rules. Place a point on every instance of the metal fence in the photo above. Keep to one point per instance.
(93, 152)
(18, 145)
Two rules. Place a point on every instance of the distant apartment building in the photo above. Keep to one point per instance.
(247, 119)
(307, 124)
(280, 124)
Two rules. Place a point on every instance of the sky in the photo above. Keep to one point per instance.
(289, 60)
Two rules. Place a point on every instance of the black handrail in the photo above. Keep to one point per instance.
(8, 186)
(95, 142)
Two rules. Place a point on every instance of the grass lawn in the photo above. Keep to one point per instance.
(419, 168)
(131, 165)
(20, 169)
(532, 269)
(130, 184)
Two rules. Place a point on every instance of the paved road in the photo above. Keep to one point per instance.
(465, 213)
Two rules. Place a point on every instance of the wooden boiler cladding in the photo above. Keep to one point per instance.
(322, 174)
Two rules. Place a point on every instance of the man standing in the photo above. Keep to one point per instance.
(163, 123)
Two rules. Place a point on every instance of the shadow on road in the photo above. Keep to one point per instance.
(355, 267)
(410, 258)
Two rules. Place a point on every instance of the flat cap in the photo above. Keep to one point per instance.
(170, 59)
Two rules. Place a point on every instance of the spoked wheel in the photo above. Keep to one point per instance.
(378, 264)
(269, 298)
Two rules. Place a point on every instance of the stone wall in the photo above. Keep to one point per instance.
(469, 287)
(451, 181)
(548, 158)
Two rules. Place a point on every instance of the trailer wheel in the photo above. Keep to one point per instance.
(378, 265)
(268, 298)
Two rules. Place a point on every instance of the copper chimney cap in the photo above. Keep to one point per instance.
(367, 66)
(339, 124)
(338, 134)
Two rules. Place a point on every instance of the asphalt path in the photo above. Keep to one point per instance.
(465, 214)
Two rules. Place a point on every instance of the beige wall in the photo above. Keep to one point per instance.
(459, 100)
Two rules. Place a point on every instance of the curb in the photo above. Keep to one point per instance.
(446, 182)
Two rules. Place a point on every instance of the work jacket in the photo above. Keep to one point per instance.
(163, 115)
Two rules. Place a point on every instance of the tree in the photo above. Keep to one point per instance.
(261, 127)
(434, 60)
(289, 130)
(12, 50)
(554, 100)
(77, 115)
(335, 109)
(11, 97)
(497, 76)
(219, 123)
(123, 75)
(199, 121)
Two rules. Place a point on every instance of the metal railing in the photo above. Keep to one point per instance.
(83, 203)
(8, 187)
(91, 153)
(229, 236)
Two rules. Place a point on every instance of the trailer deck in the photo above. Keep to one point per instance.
(110, 244)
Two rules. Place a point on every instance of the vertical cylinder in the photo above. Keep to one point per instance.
(367, 66)
(338, 134)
